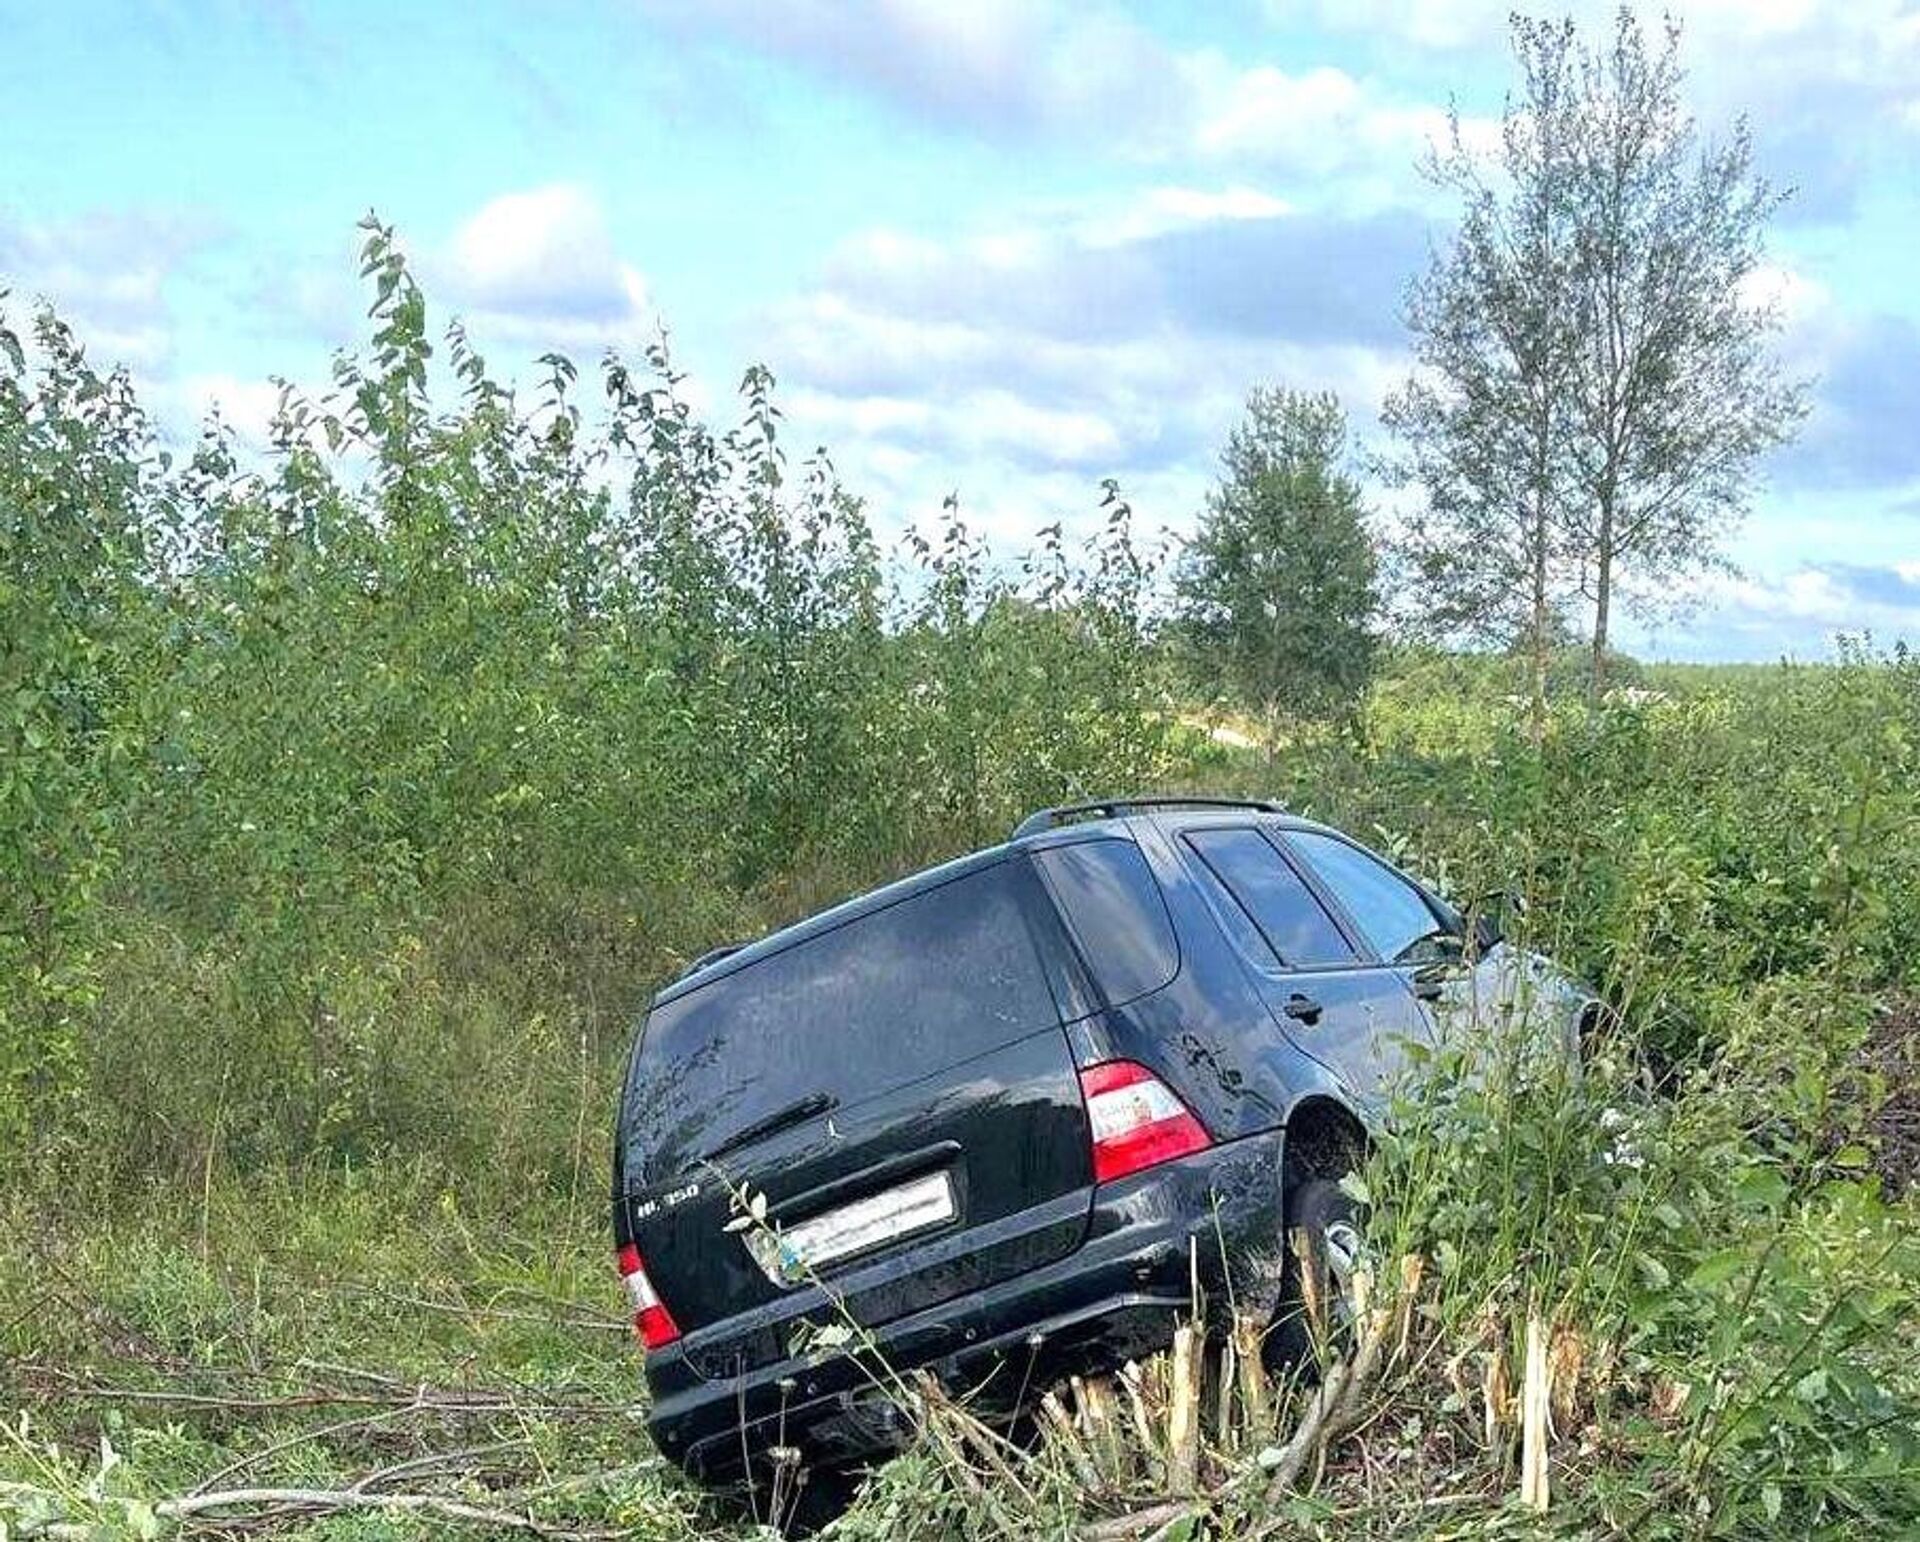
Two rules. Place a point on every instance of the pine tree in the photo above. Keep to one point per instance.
(1278, 589)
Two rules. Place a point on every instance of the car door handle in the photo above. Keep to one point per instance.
(1302, 1009)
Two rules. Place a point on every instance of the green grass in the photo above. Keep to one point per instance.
(309, 1328)
(395, 1263)
(306, 1330)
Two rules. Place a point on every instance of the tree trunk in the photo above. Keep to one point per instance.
(1537, 642)
(1602, 598)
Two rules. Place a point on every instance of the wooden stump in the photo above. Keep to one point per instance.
(1183, 1408)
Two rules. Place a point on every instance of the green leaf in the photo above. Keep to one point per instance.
(1762, 1186)
(1770, 1500)
(1716, 1270)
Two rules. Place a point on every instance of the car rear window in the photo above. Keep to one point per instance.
(1116, 914)
(885, 999)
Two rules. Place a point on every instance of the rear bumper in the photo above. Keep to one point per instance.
(1117, 1297)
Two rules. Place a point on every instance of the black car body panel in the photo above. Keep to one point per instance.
(1117, 1297)
(917, 1055)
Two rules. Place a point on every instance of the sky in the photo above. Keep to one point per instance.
(991, 249)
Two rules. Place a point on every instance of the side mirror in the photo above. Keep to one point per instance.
(1493, 916)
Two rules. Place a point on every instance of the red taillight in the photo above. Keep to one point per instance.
(1136, 1120)
(653, 1324)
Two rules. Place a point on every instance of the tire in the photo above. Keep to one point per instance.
(1333, 1224)
(828, 1493)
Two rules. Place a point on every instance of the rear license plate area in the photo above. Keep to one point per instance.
(792, 1252)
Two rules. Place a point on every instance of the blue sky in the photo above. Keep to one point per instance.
(993, 248)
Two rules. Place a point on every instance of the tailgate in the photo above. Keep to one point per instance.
(898, 1093)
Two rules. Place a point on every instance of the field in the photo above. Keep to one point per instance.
(354, 806)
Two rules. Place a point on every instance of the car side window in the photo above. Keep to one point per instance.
(1391, 913)
(1294, 924)
(1116, 914)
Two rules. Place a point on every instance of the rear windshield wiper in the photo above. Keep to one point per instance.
(809, 1107)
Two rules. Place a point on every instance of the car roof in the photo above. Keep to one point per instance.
(719, 966)
(1048, 828)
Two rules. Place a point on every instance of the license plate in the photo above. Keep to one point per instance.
(788, 1254)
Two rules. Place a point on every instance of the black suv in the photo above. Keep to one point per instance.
(1004, 1114)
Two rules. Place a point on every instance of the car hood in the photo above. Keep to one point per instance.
(1511, 991)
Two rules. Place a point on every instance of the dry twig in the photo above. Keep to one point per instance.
(335, 1499)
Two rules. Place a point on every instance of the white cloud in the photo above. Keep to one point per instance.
(106, 274)
(1009, 69)
(999, 68)
(1464, 24)
(1161, 210)
(1316, 121)
(540, 268)
(1427, 23)
(1866, 396)
(1018, 365)
(864, 415)
(1824, 601)
(1800, 300)
(1004, 420)
(246, 406)
(1831, 89)
(971, 428)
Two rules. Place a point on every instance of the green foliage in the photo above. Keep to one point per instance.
(353, 798)
(384, 775)
(1709, 1241)
(1693, 837)
(1278, 586)
(1596, 383)
(77, 506)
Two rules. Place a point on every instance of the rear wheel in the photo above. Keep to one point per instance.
(807, 1502)
(1317, 1289)
(828, 1493)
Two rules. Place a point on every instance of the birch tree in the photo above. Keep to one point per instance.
(1595, 382)
(1677, 392)
(1483, 418)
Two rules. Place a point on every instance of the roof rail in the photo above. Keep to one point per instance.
(1120, 808)
(711, 956)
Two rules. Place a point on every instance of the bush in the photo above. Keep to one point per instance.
(358, 796)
